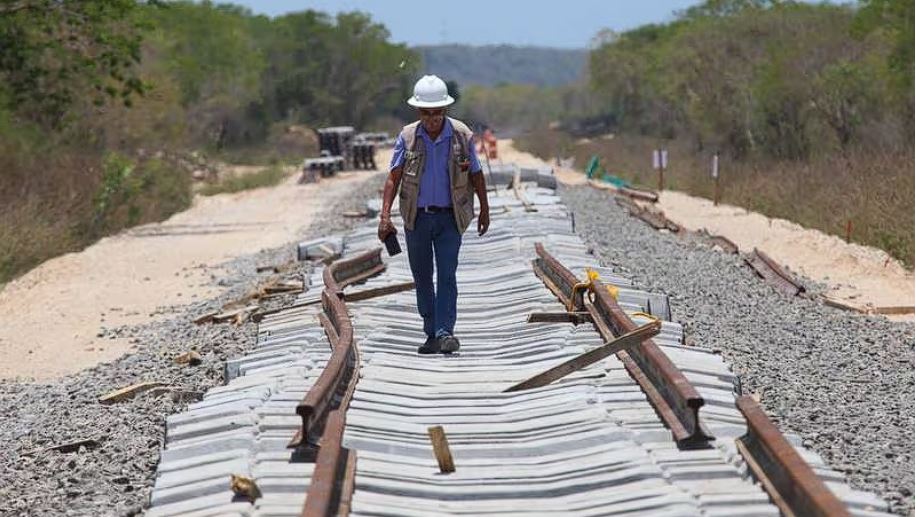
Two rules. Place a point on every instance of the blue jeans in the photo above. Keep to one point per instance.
(435, 235)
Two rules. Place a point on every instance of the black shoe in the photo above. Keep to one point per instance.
(431, 346)
(448, 344)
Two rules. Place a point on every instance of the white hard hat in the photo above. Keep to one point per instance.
(430, 92)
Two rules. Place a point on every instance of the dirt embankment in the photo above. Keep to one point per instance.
(857, 275)
(53, 316)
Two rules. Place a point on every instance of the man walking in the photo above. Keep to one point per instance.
(437, 170)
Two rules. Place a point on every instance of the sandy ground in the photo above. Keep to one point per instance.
(509, 154)
(52, 314)
(858, 275)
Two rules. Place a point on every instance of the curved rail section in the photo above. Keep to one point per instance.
(335, 384)
(318, 401)
(676, 400)
(342, 273)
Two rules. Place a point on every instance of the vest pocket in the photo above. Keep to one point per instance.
(461, 177)
(464, 210)
(407, 200)
(412, 164)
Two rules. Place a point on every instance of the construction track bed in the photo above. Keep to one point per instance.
(331, 413)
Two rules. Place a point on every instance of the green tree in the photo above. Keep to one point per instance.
(216, 62)
(55, 53)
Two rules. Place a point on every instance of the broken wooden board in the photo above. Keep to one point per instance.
(128, 392)
(356, 296)
(900, 310)
(67, 447)
(613, 346)
(366, 294)
(895, 310)
(281, 287)
(205, 318)
(244, 487)
(642, 195)
(234, 315)
(441, 449)
(575, 318)
(190, 357)
(89, 443)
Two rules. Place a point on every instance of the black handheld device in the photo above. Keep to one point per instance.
(391, 243)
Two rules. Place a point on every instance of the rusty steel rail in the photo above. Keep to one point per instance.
(725, 243)
(334, 379)
(788, 479)
(342, 273)
(658, 221)
(653, 218)
(323, 410)
(557, 278)
(675, 400)
(316, 404)
(773, 273)
(331, 484)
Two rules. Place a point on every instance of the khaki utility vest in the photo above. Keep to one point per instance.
(414, 163)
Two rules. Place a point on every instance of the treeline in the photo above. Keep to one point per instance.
(783, 79)
(495, 65)
(103, 101)
(810, 107)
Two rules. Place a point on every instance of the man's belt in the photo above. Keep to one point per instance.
(434, 209)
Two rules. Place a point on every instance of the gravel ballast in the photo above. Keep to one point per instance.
(112, 473)
(841, 381)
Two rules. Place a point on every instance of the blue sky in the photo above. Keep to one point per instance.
(551, 23)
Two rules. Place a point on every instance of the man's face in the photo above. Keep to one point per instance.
(432, 119)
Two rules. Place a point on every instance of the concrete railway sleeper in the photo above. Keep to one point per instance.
(588, 443)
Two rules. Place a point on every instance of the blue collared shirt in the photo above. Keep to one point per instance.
(435, 185)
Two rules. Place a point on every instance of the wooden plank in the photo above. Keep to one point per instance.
(366, 294)
(283, 287)
(560, 317)
(440, 449)
(841, 304)
(128, 392)
(628, 340)
(74, 446)
(205, 318)
(349, 297)
(903, 309)
(643, 195)
(244, 487)
(190, 357)
(233, 315)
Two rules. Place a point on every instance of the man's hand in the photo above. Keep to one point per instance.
(483, 221)
(385, 227)
(480, 188)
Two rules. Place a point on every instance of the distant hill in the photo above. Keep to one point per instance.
(491, 65)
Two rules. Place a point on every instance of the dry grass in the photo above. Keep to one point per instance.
(874, 190)
(59, 199)
(266, 177)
